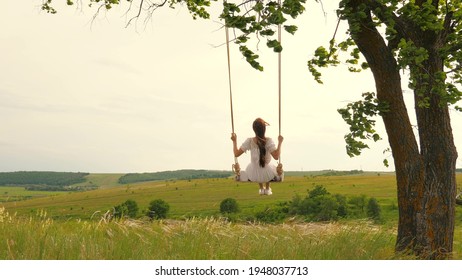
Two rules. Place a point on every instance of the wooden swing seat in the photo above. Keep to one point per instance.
(242, 177)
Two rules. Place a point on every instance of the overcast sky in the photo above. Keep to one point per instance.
(94, 96)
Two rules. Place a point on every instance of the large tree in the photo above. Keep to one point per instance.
(422, 39)
(418, 38)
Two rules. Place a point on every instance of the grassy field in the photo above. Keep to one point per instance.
(104, 180)
(73, 225)
(18, 193)
(9, 194)
(197, 239)
(202, 197)
(40, 237)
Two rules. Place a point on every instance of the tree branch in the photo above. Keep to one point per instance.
(140, 8)
(447, 28)
(151, 8)
(399, 24)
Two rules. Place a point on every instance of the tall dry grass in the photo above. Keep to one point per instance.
(40, 237)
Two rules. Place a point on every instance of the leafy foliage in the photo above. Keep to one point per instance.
(359, 116)
(273, 214)
(252, 18)
(357, 206)
(186, 174)
(127, 209)
(409, 27)
(42, 178)
(229, 205)
(158, 209)
(320, 205)
(260, 20)
(373, 209)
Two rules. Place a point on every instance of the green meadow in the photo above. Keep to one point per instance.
(41, 238)
(9, 194)
(201, 197)
(74, 225)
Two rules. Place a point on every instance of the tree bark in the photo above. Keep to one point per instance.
(435, 221)
(426, 177)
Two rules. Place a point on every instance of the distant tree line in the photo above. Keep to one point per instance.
(342, 173)
(49, 188)
(42, 178)
(186, 174)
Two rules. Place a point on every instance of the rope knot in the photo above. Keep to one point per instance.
(236, 169)
(279, 169)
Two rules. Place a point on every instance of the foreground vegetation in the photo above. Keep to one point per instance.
(77, 225)
(42, 238)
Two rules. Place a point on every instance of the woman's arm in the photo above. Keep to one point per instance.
(276, 153)
(237, 152)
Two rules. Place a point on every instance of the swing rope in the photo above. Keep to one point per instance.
(229, 79)
(235, 167)
(279, 167)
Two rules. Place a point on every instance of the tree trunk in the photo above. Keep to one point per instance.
(426, 178)
(435, 221)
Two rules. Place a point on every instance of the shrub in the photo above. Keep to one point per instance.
(127, 209)
(327, 207)
(273, 214)
(319, 205)
(357, 205)
(318, 191)
(373, 210)
(295, 205)
(342, 210)
(229, 205)
(158, 209)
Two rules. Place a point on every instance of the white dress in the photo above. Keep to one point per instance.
(254, 171)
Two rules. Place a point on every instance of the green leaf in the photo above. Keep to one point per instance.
(291, 29)
(359, 116)
(267, 32)
(275, 45)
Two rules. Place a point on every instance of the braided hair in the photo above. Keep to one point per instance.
(259, 127)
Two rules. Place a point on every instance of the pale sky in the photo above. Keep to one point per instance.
(94, 96)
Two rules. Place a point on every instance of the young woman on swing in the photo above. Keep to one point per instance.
(261, 149)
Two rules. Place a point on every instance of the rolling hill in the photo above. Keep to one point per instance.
(199, 197)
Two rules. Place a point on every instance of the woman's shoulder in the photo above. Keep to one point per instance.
(270, 142)
(246, 144)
